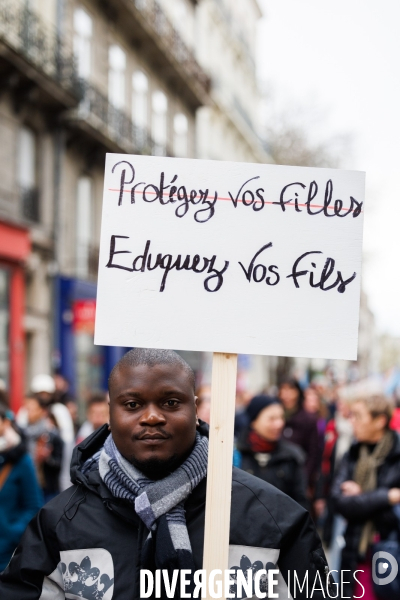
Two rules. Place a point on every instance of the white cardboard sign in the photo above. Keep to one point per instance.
(230, 257)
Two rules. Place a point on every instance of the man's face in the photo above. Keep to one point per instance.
(34, 411)
(98, 414)
(366, 428)
(153, 415)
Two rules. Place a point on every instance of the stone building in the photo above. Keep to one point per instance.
(78, 79)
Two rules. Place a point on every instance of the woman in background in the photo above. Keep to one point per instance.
(301, 428)
(366, 489)
(20, 494)
(262, 452)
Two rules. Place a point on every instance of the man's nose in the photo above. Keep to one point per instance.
(152, 415)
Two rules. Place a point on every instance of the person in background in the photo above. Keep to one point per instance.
(262, 452)
(367, 486)
(300, 428)
(338, 439)
(20, 494)
(242, 399)
(73, 411)
(61, 393)
(97, 413)
(43, 388)
(45, 447)
(314, 405)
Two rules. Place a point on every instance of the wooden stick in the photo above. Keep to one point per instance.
(219, 474)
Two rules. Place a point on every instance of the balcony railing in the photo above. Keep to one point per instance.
(114, 125)
(173, 42)
(25, 33)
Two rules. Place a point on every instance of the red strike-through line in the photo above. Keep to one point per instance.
(265, 202)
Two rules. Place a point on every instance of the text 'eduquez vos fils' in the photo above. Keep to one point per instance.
(168, 190)
(324, 276)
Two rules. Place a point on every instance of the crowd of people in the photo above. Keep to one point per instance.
(36, 446)
(338, 458)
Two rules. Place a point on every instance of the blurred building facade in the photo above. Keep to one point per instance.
(78, 79)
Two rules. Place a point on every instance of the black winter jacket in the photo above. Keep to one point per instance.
(301, 429)
(367, 506)
(85, 543)
(282, 468)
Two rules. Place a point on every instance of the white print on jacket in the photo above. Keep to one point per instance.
(242, 558)
(83, 574)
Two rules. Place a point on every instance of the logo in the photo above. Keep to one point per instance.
(245, 566)
(86, 573)
(384, 568)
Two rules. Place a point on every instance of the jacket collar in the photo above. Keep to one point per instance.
(394, 453)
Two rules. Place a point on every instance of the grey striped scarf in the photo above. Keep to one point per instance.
(159, 504)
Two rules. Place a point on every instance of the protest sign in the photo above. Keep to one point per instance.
(230, 257)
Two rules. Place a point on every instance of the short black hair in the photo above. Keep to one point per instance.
(151, 357)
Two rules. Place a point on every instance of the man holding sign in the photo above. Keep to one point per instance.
(132, 526)
(172, 274)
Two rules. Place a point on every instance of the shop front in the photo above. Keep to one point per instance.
(83, 364)
(14, 250)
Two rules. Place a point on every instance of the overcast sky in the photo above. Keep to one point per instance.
(343, 56)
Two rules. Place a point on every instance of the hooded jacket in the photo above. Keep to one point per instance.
(87, 544)
(20, 499)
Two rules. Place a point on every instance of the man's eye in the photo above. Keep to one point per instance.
(172, 403)
(132, 404)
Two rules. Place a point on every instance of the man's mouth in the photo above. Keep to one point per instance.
(153, 437)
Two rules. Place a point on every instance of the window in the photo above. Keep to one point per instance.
(83, 226)
(180, 135)
(83, 27)
(159, 122)
(139, 106)
(116, 76)
(27, 174)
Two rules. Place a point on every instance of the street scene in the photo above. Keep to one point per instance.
(163, 319)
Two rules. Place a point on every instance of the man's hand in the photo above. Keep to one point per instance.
(394, 496)
(350, 488)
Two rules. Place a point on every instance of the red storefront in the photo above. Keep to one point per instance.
(14, 250)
